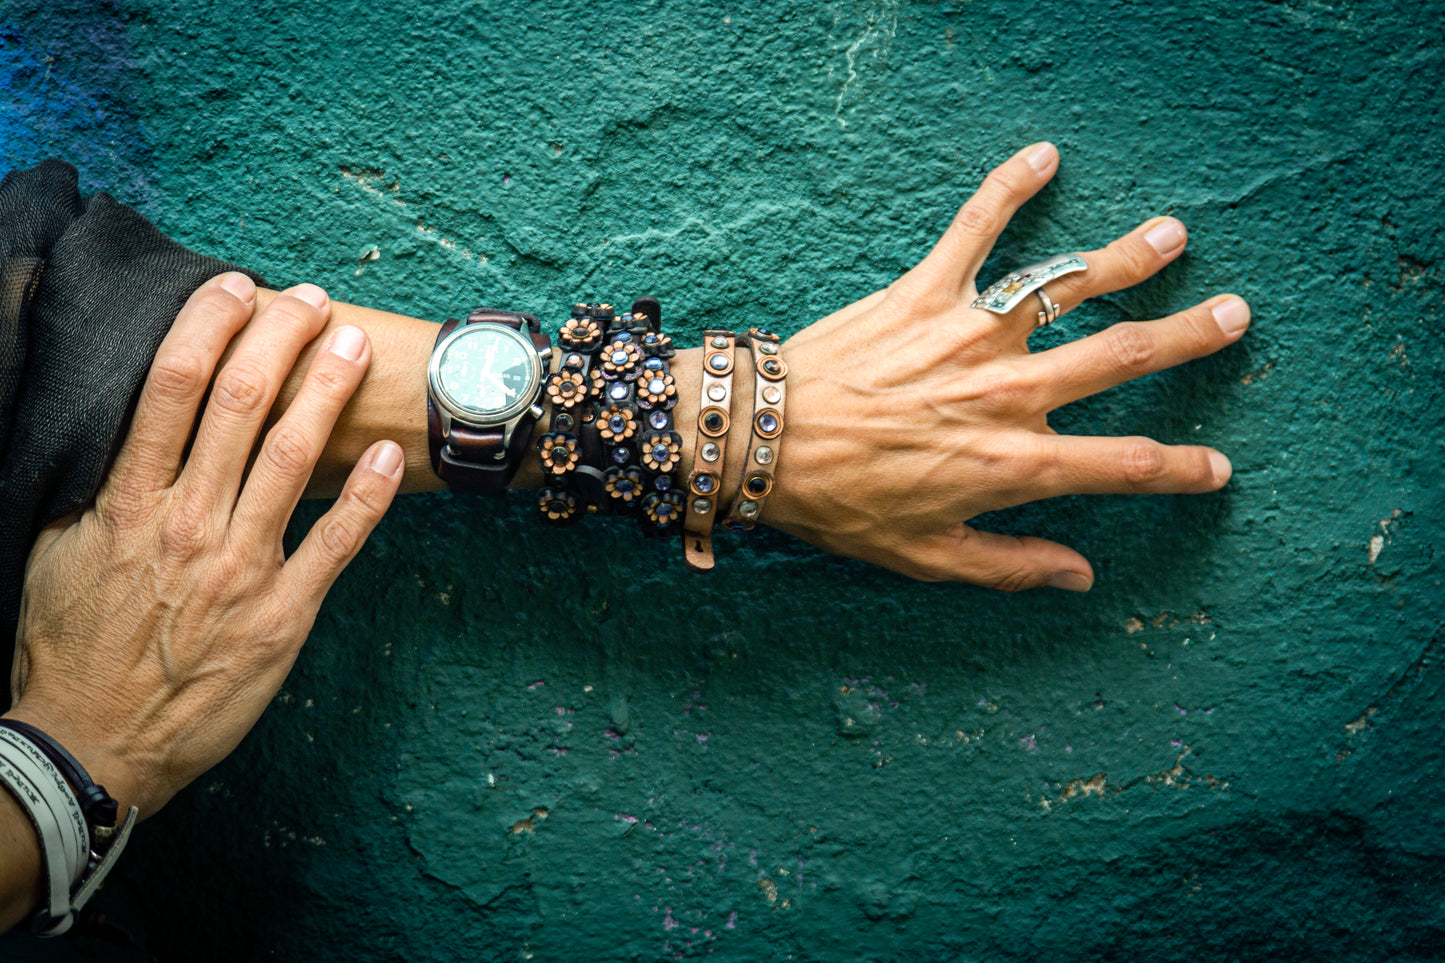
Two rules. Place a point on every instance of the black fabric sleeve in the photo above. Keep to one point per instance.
(88, 288)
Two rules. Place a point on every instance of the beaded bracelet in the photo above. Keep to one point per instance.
(710, 453)
(765, 441)
(659, 447)
(573, 392)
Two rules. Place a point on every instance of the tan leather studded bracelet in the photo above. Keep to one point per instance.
(766, 438)
(704, 483)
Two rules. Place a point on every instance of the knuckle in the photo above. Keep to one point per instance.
(1014, 580)
(1000, 389)
(975, 219)
(370, 500)
(219, 309)
(332, 380)
(1130, 346)
(288, 450)
(176, 375)
(292, 312)
(1005, 181)
(1144, 463)
(339, 537)
(1133, 257)
(240, 388)
(186, 530)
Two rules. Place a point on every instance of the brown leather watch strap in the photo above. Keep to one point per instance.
(476, 459)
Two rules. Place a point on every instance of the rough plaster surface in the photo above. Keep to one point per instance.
(505, 743)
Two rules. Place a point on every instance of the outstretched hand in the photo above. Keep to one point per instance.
(910, 413)
(158, 625)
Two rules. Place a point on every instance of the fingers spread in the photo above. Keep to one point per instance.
(166, 410)
(336, 538)
(246, 388)
(1134, 348)
(293, 445)
(1077, 465)
(956, 258)
(1003, 562)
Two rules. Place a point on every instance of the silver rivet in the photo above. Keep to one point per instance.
(719, 342)
(764, 455)
(709, 452)
(702, 506)
(748, 509)
(772, 395)
(717, 392)
(767, 347)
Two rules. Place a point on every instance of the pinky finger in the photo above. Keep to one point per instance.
(1004, 562)
(339, 534)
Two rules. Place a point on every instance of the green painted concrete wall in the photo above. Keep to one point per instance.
(1228, 750)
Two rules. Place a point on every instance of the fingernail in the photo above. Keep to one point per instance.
(1041, 156)
(386, 459)
(1166, 237)
(1232, 316)
(1221, 467)
(239, 286)
(348, 342)
(309, 293)
(1071, 581)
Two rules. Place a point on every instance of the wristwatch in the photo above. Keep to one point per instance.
(484, 387)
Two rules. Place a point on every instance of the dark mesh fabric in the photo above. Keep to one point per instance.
(88, 288)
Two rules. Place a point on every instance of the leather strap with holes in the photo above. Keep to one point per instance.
(766, 438)
(704, 482)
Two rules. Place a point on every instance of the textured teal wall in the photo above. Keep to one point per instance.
(1229, 749)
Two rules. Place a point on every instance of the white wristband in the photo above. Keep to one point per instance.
(73, 870)
(54, 812)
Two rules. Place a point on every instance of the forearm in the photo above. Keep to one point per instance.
(391, 403)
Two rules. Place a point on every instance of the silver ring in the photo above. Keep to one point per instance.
(1008, 292)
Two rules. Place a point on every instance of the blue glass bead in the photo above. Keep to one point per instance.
(617, 423)
(618, 391)
(656, 386)
(768, 422)
(622, 336)
(660, 453)
(620, 455)
(663, 511)
(658, 420)
(705, 483)
(624, 486)
(765, 332)
(619, 357)
(662, 483)
(653, 364)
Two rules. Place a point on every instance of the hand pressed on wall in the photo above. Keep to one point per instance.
(910, 412)
(158, 625)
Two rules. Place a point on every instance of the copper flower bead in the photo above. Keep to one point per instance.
(620, 360)
(655, 344)
(623, 484)
(581, 334)
(663, 509)
(557, 505)
(661, 451)
(566, 389)
(558, 451)
(616, 425)
(656, 390)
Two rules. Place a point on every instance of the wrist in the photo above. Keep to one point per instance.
(105, 765)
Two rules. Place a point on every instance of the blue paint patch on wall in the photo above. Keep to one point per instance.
(66, 95)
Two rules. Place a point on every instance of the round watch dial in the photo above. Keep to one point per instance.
(488, 370)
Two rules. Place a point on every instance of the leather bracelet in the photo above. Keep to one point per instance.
(574, 480)
(765, 440)
(704, 483)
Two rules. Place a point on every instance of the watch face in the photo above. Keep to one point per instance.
(488, 370)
